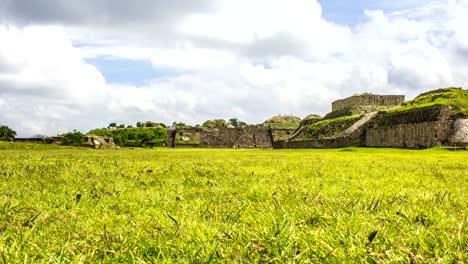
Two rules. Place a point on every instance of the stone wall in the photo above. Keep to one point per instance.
(97, 142)
(421, 115)
(31, 140)
(419, 135)
(460, 133)
(356, 110)
(186, 137)
(236, 138)
(368, 99)
(251, 137)
(282, 134)
(418, 128)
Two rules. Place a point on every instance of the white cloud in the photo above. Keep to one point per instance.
(44, 81)
(419, 64)
(190, 58)
(245, 59)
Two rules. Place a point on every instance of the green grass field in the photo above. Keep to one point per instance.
(237, 206)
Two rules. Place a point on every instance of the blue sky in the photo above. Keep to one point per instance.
(351, 13)
(127, 71)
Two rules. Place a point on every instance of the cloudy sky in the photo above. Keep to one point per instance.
(68, 65)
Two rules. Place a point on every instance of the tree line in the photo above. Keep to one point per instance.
(144, 134)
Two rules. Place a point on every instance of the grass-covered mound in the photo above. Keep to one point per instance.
(331, 128)
(283, 122)
(456, 98)
(310, 119)
(357, 110)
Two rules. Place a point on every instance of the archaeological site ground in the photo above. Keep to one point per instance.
(79, 205)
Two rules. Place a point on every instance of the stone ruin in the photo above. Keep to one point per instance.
(92, 141)
(368, 100)
(248, 137)
(372, 127)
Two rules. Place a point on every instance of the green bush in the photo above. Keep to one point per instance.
(7, 133)
(216, 123)
(134, 136)
(74, 138)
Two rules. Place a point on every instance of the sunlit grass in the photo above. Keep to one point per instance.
(245, 206)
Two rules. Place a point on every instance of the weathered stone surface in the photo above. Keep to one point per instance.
(97, 142)
(418, 135)
(368, 99)
(251, 137)
(186, 138)
(282, 134)
(460, 132)
(357, 110)
(421, 115)
(417, 128)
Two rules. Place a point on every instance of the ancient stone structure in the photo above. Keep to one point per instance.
(368, 100)
(250, 137)
(460, 133)
(419, 135)
(418, 128)
(356, 121)
(97, 142)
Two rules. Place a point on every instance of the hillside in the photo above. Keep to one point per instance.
(283, 122)
(330, 128)
(457, 98)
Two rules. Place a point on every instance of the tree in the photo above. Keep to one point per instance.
(7, 133)
(121, 126)
(139, 124)
(237, 123)
(234, 122)
(179, 125)
(243, 124)
(216, 123)
(74, 138)
(112, 125)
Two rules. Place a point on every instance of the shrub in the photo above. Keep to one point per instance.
(74, 138)
(7, 133)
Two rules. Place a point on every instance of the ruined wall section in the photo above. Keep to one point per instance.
(236, 138)
(418, 128)
(251, 137)
(366, 100)
(282, 134)
(421, 115)
(460, 133)
(420, 135)
(183, 138)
